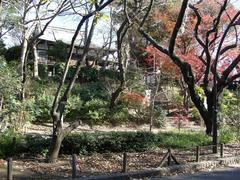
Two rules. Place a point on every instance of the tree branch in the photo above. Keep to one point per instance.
(177, 27)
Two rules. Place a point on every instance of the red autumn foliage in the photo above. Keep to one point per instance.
(132, 98)
(187, 47)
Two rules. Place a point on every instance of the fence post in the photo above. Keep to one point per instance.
(221, 150)
(197, 153)
(124, 162)
(169, 157)
(74, 166)
(9, 169)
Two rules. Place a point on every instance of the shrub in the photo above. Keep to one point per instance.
(104, 142)
(13, 53)
(108, 142)
(43, 105)
(119, 114)
(36, 144)
(88, 74)
(43, 71)
(10, 144)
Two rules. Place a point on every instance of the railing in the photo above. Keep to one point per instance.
(167, 159)
(199, 148)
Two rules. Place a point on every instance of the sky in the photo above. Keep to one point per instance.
(102, 29)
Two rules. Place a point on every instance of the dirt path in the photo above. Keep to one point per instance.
(46, 129)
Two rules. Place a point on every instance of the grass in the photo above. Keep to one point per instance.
(183, 139)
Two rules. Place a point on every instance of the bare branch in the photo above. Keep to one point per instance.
(234, 63)
(177, 27)
(199, 19)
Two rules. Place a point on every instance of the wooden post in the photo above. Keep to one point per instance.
(9, 169)
(163, 159)
(74, 167)
(169, 157)
(124, 169)
(197, 153)
(221, 150)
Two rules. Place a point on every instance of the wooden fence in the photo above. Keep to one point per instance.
(168, 158)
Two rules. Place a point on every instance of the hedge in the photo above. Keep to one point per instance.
(101, 142)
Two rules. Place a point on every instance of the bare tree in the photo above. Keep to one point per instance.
(59, 132)
(34, 15)
(123, 48)
(212, 89)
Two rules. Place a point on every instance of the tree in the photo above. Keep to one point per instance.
(125, 39)
(34, 17)
(62, 94)
(213, 43)
(7, 18)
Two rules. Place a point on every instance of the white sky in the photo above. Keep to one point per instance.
(102, 29)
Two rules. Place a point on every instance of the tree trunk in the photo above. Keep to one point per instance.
(57, 137)
(60, 100)
(56, 142)
(35, 61)
(122, 58)
(114, 96)
(1, 102)
(23, 66)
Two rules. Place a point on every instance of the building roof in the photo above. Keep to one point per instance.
(54, 34)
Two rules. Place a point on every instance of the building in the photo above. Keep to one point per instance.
(96, 54)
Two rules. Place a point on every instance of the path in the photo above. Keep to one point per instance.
(231, 172)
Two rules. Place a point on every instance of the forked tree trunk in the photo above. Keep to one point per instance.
(122, 60)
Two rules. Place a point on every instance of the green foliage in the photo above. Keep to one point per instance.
(43, 71)
(102, 142)
(108, 73)
(195, 115)
(36, 144)
(87, 143)
(199, 90)
(13, 53)
(183, 139)
(73, 107)
(9, 90)
(96, 110)
(229, 107)
(227, 134)
(2, 48)
(88, 74)
(59, 51)
(92, 90)
(119, 114)
(159, 116)
(43, 105)
(134, 79)
(10, 144)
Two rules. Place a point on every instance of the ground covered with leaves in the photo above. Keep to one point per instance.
(106, 163)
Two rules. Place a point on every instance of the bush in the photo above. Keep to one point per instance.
(119, 114)
(10, 144)
(43, 71)
(36, 144)
(43, 105)
(104, 142)
(13, 53)
(82, 143)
